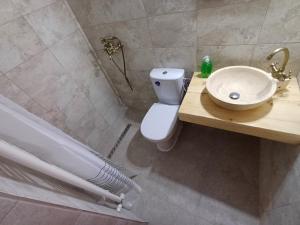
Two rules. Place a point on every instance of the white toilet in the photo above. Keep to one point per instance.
(160, 125)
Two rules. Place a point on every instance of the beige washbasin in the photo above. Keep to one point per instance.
(240, 87)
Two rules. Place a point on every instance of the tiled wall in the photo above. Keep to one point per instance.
(178, 33)
(48, 67)
(280, 184)
(22, 211)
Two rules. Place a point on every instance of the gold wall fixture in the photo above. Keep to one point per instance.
(278, 71)
(113, 46)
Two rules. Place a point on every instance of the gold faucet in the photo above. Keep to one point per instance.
(277, 71)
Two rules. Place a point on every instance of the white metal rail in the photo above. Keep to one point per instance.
(26, 159)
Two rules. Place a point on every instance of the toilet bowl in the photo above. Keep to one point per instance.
(160, 124)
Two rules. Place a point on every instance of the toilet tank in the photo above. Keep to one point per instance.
(168, 84)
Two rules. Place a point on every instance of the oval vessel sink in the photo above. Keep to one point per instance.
(240, 87)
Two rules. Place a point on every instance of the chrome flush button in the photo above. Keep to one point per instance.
(157, 83)
(165, 72)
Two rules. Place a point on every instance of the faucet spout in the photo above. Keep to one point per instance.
(277, 71)
(286, 56)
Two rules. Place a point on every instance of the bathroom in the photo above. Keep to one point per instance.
(78, 82)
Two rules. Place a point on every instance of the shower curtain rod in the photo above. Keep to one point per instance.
(26, 159)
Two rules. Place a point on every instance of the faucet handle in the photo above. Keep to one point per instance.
(289, 75)
(274, 67)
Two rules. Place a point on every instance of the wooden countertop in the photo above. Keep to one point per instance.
(278, 119)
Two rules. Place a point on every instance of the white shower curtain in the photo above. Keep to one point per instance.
(48, 143)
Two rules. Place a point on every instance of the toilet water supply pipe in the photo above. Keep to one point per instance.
(28, 160)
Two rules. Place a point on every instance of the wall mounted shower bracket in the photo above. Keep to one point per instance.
(112, 46)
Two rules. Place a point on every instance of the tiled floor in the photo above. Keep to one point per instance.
(210, 178)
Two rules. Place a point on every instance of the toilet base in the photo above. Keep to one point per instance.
(170, 143)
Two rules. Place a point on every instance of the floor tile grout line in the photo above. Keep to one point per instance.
(10, 211)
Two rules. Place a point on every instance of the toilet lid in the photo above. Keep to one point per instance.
(159, 121)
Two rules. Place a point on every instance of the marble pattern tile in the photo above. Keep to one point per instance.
(76, 109)
(158, 7)
(202, 4)
(133, 33)
(100, 93)
(139, 59)
(6, 205)
(11, 91)
(95, 140)
(27, 6)
(8, 11)
(44, 79)
(281, 24)
(56, 118)
(233, 24)
(173, 30)
(227, 55)
(53, 22)
(184, 57)
(77, 58)
(85, 130)
(18, 43)
(141, 83)
(97, 12)
(32, 213)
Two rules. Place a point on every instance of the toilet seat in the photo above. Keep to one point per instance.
(159, 121)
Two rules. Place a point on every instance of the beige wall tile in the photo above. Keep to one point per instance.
(27, 6)
(56, 118)
(233, 24)
(97, 12)
(52, 23)
(158, 7)
(133, 33)
(76, 109)
(176, 58)
(93, 130)
(139, 59)
(100, 93)
(173, 30)
(18, 43)
(8, 11)
(11, 91)
(44, 79)
(77, 58)
(202, 4)
(227, 55)
(282, 22)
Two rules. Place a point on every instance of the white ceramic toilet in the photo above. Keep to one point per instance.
(161, 125)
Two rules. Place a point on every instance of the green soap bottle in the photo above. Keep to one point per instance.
(206, 67)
